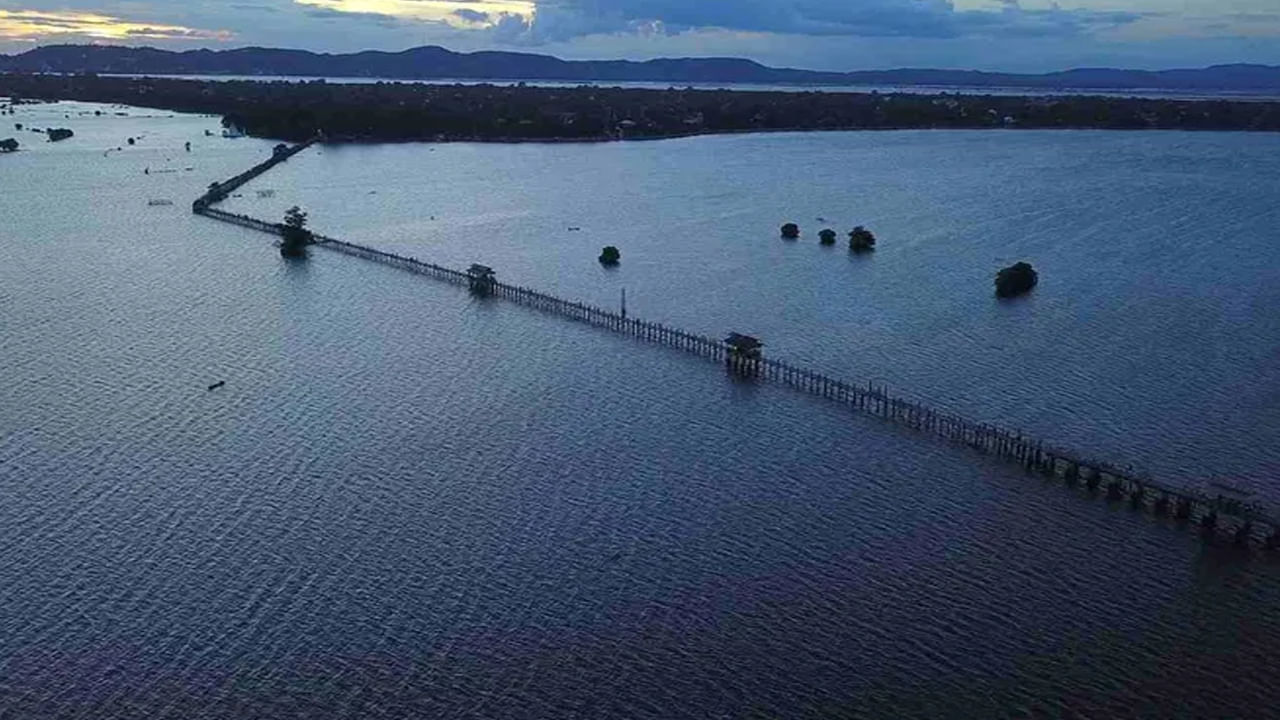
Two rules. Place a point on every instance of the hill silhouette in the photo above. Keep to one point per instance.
(434, 62)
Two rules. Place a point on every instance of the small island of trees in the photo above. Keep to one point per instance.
(295, 237)
(610, 256)
(827, 237)
(59, 134)
(791, 231)
(1016, 279)
(8, 145)
(861, 240)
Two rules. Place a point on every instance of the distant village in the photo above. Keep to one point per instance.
(414, 112)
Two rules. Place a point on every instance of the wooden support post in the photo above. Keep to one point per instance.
(1209, 521)
(1244, 533)
(1136, 497)
(1162, 505)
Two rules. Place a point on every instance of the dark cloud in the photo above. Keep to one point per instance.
(473, 16)
(559, 20)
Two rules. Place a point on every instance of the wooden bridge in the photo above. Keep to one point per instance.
(1215, 515)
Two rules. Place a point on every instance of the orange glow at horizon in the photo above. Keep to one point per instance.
(445, 11)
(32, 25)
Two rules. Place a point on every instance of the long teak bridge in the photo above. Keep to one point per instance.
(1244, 523)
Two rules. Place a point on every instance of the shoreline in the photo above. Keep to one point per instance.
(763, 131)
(401, 113)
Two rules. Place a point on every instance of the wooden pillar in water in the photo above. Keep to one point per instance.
(1243, 534)
(1115, 490)
(1162, 505)
(1136, 497)
(1210, 520)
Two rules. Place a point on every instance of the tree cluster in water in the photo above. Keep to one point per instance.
(1016, 279)
(406, 111)
(295, 237)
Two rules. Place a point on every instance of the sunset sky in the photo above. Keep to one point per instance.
(1020, 35)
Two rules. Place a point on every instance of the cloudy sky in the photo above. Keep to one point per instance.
(1019, 35)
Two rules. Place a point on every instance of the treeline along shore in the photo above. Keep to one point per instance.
(391, 111)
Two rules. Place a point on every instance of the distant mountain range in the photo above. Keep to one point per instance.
(439, 63)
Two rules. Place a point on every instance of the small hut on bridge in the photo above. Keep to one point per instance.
(744, 345)
(481, 279)
(744, 353)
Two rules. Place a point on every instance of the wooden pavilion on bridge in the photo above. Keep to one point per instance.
(744, 345)
(744, 353)
(481, 279)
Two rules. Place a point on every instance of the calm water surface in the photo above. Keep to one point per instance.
(410, 503)
(1204, 94)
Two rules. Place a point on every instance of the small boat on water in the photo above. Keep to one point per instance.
(218, 384)
(159, 203)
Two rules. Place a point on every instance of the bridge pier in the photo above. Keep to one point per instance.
(1050, 466)
(1162, 505)
(1115, 490)
(1209, 521)
(1244, 533)
(1183, 509)
(1136, 497)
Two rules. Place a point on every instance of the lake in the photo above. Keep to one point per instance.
(409, 502)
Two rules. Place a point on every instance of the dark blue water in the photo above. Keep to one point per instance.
(411, 503)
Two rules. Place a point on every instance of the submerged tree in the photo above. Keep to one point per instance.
(1016, 279)
(827, 237)
(861, 240)
(791, 231)
(8, 145)
(294, 233)
(610, 256)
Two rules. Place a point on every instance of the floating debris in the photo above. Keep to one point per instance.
(159, 203)
(217, 385)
